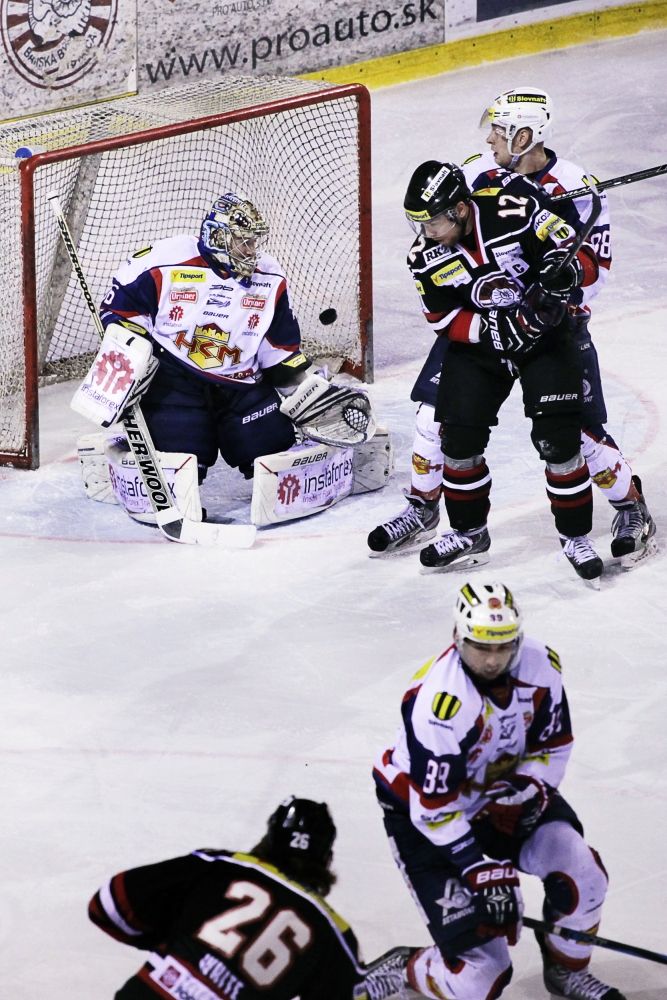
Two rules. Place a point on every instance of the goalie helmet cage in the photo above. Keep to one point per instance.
(135, 170)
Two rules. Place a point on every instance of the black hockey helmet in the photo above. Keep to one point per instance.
(435, 188)
(301, 828)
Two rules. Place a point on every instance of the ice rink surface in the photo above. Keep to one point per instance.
(157, 698)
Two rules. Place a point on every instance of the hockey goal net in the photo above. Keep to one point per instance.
(135, 170)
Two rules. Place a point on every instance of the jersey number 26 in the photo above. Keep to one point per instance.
(276, 945)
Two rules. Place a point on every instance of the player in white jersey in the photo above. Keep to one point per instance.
(519, 121)
(218, 314)
(469, 793)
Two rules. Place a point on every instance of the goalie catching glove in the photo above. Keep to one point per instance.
(119, 376)
(331, 414)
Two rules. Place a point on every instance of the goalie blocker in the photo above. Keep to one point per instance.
(119, 376)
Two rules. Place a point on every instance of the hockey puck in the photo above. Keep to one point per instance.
(328, 316)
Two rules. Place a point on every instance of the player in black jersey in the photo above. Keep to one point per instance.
(243, 926)
(489, 268)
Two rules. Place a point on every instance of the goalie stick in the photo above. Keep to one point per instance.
(169, 519)
(583, 938)
(638, 175)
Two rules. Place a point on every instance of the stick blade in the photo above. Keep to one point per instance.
(223, 536)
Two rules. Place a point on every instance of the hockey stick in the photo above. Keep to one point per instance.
(639, 175)
(583, 938)
(169, 519)
(582, 235)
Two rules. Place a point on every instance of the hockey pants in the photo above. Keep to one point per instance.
(185, 412)
(575, 885)
(473, 387)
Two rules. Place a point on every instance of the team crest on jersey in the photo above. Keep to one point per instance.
(453, 273)
(445, 706)
(208, 347)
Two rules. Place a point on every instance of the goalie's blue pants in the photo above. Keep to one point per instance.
(186, 412)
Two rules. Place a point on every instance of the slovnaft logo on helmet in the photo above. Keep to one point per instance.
(526, 99)
(431, 188)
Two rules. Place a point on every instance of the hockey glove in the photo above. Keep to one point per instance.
(496, 886)
(512, 332)
(517, 804)
(332, 414)
(553, 278)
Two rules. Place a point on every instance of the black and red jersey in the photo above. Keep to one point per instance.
(222, 925)
(494, 265)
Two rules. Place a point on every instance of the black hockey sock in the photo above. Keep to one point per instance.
(571, 499)
(466, 494)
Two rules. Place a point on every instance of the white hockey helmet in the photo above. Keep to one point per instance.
(523, 107)
(233, 232)
(485, 611)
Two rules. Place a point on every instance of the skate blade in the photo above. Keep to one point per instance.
(594, 584)
(633, 558)
(416, 545)
(466, 562)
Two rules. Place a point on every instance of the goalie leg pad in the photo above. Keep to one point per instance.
(373, 462)
(118, 377)
(180, 471)
(301, 481)
(95, 468)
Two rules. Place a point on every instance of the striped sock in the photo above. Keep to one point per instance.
(571, 499)
(466, 494)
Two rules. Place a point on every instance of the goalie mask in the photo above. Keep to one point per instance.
(435, 189)
(523, 107)
(233, 233)
(485, 612)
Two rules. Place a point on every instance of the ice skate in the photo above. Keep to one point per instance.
(561, 982)
(388, 979)
(457, 550)
(409, 530)
(583, 557)
(634, 530)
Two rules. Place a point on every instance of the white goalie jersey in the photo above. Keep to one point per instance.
(222, 328)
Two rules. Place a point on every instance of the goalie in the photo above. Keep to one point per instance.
(206, 327)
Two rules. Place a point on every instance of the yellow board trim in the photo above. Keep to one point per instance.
(525, 39)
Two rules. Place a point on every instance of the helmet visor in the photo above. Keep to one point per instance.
(436, 227)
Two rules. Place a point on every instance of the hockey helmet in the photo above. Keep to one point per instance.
(435, 189)
(485, 611)
(301, 828)
(233, 232)
(523, 107)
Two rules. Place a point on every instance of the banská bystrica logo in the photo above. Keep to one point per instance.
(53, 43)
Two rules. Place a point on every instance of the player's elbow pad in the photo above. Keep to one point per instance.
(285, 372)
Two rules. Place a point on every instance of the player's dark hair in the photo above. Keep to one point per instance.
(306, 872)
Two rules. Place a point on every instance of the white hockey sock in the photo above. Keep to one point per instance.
(427, 457)
(609, 470)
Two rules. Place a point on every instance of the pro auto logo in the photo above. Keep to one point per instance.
(54, 43)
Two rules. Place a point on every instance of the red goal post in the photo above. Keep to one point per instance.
(135, 170)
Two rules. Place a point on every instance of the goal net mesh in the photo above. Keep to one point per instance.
(299, 166)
